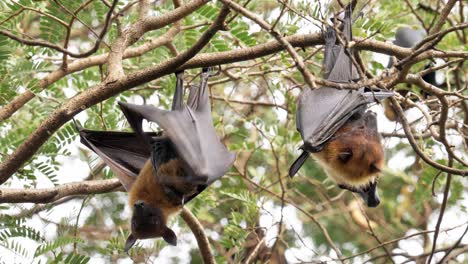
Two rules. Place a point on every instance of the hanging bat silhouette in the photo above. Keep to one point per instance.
(163, 171)
(335, 126)
(408, 38)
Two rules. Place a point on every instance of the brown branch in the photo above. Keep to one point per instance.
(308, 77)
(48, 195)
(254, 252)
(137, 30)
(245, 102)
(81, 64)
(97, 94)
(399, 239)
(197, 230)
(443, 16)
(414, 145)
(439, 93)
(218, 58)
(441, 213)
(457, 243)
(305, 212)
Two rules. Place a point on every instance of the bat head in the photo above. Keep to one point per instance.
(354, 156)
(149, 222)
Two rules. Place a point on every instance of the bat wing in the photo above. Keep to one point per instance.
(321, 112)
(191, 131)
(407, 37)
(121, 151)
(343, 69)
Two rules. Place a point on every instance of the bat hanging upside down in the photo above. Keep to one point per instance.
(163, 171)
(336, 128)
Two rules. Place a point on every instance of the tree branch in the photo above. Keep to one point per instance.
(98, 93)
(197, 230)
(308, 77)
(48, 195)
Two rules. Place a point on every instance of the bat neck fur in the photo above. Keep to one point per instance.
(148, 189)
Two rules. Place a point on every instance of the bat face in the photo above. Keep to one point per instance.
(354, 156)
(149, 222)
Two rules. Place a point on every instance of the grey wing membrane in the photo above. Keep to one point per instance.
(192, 134)
(407, 37)
(343, 69)
(323, 111)
(216, 158)
(121, 151)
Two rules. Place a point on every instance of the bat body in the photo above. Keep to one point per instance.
(163, 171)
(335, 126)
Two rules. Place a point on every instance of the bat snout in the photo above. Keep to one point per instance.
(139, 204)
(370, 195)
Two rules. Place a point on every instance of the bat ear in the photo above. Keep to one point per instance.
(374, 168)
(169, 236)
(130, 242)
(298, 163)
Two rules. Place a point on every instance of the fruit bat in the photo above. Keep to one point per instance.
(335, 126)
(163, 170)
(408, 38)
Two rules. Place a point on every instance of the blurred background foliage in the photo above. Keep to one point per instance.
(254, 104)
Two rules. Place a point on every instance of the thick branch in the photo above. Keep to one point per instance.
(202, 240)
(81, 64)
(136, 31)
(217, 58)
(443, 16)
(48, 195)
(97, 94)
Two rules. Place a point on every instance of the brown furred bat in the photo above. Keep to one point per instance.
(163, 171)
(335, 126)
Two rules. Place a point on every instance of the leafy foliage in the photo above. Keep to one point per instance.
(253, 102)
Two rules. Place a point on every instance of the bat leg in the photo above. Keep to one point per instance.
(178, 100)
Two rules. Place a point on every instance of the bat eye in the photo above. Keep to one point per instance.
(374, 169)
(345, 155)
